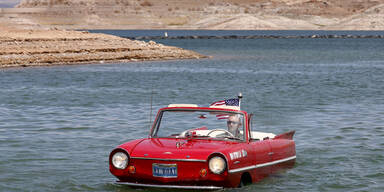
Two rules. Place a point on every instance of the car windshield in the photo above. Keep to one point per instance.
(200, 124)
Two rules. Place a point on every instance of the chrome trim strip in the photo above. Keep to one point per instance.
(169, 186)
(242, 169)
(276, 162)
(262, 165)
(189, 160)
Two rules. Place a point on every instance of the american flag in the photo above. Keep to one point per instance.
(227, 102)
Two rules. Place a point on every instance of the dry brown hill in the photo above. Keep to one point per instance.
(207, 14)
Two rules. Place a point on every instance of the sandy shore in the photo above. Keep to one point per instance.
(41, 47)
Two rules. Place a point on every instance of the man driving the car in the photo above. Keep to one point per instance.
(234, 123)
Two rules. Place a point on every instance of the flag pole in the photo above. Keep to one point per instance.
(240, 96)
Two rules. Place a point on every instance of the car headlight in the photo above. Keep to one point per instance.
(217, 165)
(120, 160)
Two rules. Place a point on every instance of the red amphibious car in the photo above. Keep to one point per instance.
(191, 147)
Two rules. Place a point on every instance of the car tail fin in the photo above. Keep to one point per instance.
(287, 135)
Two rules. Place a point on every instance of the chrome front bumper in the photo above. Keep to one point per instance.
(169, 186)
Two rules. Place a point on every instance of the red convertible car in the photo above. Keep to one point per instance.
(191, 147)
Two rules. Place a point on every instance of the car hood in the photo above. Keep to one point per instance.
(172, 148)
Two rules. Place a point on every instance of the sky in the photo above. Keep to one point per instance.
(8, 3)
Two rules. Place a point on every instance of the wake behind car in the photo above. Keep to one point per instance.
(192, 147)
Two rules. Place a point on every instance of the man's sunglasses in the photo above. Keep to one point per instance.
(233, 122)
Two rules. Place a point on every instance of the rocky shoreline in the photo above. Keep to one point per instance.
(260, 37)
(26, 48)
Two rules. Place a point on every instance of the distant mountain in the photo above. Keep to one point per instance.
(210, 14)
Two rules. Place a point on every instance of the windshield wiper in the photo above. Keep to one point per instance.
(195, 136)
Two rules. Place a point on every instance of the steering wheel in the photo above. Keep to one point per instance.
(222, 130)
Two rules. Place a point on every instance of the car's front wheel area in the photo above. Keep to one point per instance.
(246, 179)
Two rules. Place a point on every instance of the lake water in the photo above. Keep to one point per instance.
(58, 124)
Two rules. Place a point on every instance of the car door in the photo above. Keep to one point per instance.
(260, 150)
(282, 153)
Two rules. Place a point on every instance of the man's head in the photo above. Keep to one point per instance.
(233, 124)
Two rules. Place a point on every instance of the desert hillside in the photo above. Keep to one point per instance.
(204, 14)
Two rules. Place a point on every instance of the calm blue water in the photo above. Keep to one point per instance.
(58, 124)
(136, 33)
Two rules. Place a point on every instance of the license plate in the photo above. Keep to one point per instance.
(164, 170)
